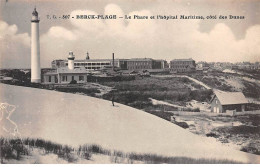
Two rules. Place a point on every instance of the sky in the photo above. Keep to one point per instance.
(212, 40)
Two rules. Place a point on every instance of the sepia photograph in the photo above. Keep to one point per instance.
(129, 82)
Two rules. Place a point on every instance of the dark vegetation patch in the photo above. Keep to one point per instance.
(89, 91)
(212, 135)
(161, 114)
(249, 73)
(184, 125)
(213, 80)
(251, 148)
(12, 149)
(251, 89)
(251, 120)
(252, 107)
(137, 93)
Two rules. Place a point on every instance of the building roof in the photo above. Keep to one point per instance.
(96, 60)
(140, 59)
(66, 70)
(75, 70)
(228, 98)
(183, 59)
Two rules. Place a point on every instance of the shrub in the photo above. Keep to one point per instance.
(212, 135)
(201, 95)
(94, 149)
(89, 91)
(73, 82)
(163, 115)
(195, 110)
(12, 149)
(87, 155)
(182, 124)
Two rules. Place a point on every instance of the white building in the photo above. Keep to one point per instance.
(66, 74)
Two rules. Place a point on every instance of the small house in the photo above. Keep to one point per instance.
(64, 75)
(224, 101)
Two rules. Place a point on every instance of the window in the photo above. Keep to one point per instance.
(81, 78)
(64, 78)
(49, 78)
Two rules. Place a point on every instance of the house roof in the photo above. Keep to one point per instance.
(140, 59)
(228, 98)
(68, 71)
(65, 70)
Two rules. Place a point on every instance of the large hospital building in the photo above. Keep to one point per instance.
(123, 64)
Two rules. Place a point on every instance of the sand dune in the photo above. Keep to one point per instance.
(76, 119)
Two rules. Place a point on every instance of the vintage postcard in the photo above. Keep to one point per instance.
(129, 82)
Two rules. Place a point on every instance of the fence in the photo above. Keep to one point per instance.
(183, 113)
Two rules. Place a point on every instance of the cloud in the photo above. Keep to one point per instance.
(10, 32)
(153, 38)
(220, 44)
(14, 48)
(62, 33)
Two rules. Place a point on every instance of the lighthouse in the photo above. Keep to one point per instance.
(35, 49)
(71, 58)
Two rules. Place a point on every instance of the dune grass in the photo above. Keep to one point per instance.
(18, 148)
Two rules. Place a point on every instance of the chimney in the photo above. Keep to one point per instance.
(113, 61)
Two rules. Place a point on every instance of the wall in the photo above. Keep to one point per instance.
(182, 66)
(46, 78)
(216, 103)
(139, 65)
(76, 77)
(237, 107)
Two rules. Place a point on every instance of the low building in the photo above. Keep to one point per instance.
(202, 66)
(224, 101)
(182, 65)
(64, 75)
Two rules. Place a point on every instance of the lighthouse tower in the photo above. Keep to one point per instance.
(35, 49)
(71, 61)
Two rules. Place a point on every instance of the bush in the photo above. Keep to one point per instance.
(251, 150)
(195, 110)
(89, 91)
(87, 155)
(163, 115)
(12, 149)
(212, 135)
(73, 82)
(182, 124)
(201, 95)
(94, 149)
